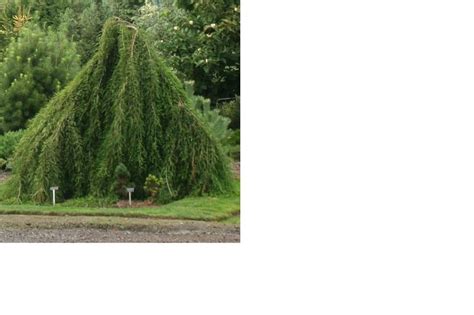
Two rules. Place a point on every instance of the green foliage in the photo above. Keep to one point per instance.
(48, 12)
(201, 41)
(231, 109)
(8, 143)
(87, 30)
(85, 21)
(14, 15)
(122, 178)
(125, 106)
(121, 172)
(3, 164)
(234, 145)
(126, 9)
(84, 27)
(35, 66)
(153, 185)
(218, 124)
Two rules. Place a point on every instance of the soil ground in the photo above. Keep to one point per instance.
(84, 229)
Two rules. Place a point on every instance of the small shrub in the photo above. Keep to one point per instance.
(3, 164)
(122, 178)
(152, 186)
(8, 143)
(217, 123)
(231, 110)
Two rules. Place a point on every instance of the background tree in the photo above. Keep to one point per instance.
(84, 22)
(14, 14)
(35, 66)
(84, 28)
(200, 40)
(49, 11)
(126, 9)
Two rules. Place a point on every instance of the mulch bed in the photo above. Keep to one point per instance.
(136, 204)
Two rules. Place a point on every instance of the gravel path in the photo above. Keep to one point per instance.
(82, 229)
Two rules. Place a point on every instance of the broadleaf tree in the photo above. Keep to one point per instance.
(200, 40)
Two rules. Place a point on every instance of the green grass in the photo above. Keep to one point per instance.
(193, 208)
(232, 220)
(224, 208)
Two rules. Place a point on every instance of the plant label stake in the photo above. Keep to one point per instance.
(130, 190)
(53, 189)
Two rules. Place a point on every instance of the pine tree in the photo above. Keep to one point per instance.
(49, 11)
(36, 65)
(89, 26)
(13, 16)
(126, 107)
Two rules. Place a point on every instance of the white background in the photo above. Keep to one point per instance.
(357, 180)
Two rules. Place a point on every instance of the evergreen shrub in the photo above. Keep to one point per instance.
(122, 178)
(8, 143)
(231, 110)
(36, 65)
(125, 106)
(152, 186)
(218, 124)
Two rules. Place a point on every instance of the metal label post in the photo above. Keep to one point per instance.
(130, 190)
(53, 189)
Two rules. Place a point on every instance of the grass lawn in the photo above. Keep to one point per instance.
(219, 208)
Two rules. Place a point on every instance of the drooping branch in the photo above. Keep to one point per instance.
(137, 116)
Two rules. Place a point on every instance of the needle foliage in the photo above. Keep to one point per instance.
(125, 106)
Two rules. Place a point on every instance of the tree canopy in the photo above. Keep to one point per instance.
(200, 40)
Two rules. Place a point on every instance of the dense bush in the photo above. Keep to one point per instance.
(231, 109)
(219, 125)
(8, 143)
(13, 16)
(122, 180)
(152, 186)
(35, 66)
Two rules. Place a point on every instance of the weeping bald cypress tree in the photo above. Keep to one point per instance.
(125, 106)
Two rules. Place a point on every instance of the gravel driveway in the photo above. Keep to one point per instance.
(65, 229)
